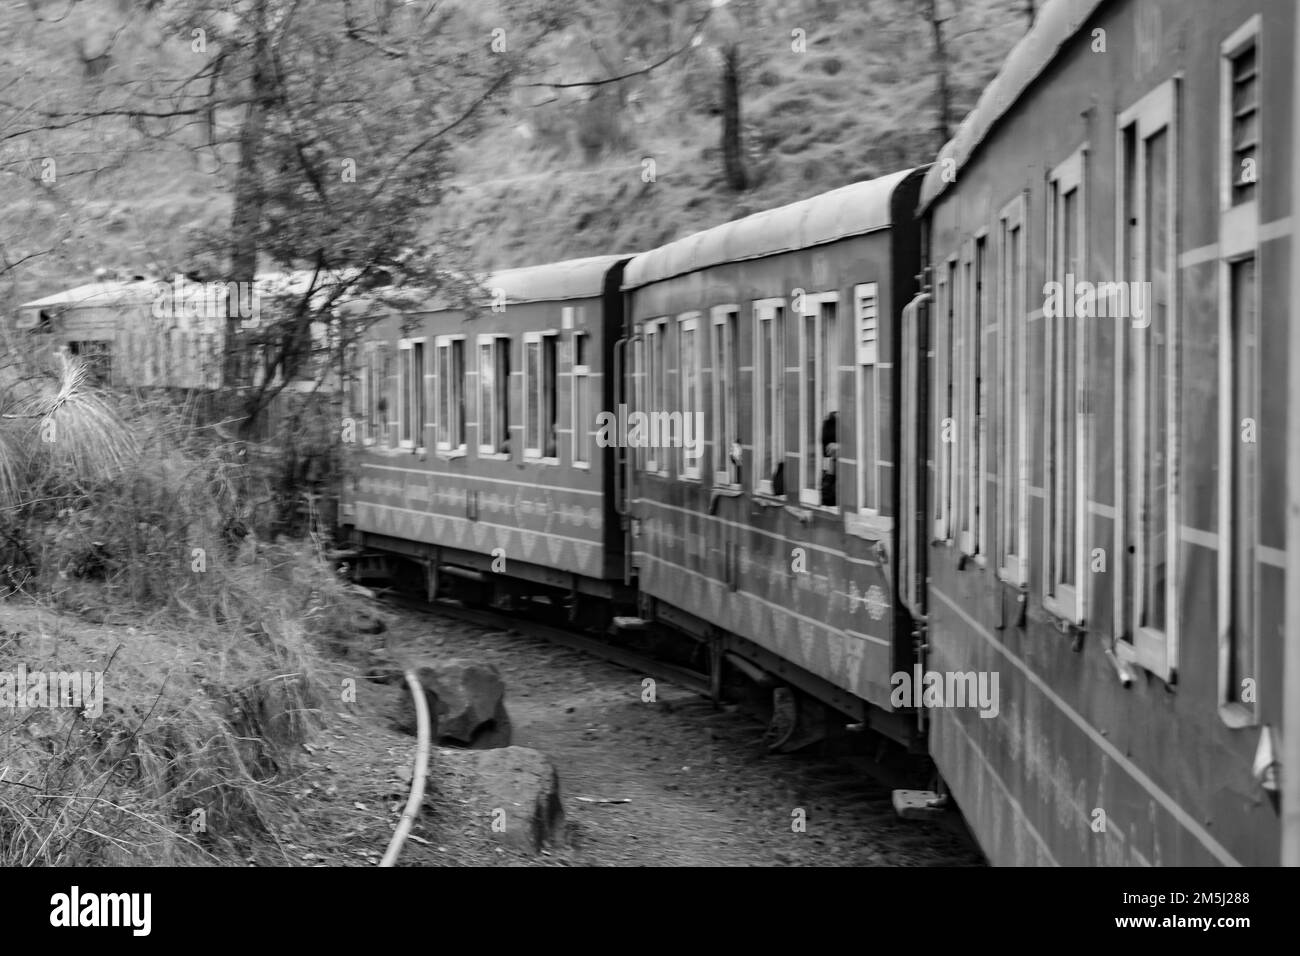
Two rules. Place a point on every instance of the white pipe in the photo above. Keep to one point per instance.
(421, 771)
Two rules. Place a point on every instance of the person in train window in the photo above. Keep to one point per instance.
(830, 452)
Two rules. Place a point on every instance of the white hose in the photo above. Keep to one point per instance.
(421, 771)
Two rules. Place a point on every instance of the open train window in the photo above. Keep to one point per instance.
(726, 433)
(656, 388)
(818, 399)
(1240, 485)
(945, 317)
(1013, 464)
(689, 400)
(769, 397)
(451, 394)
(867, 384)
(1146, 413)
(638, 389)
(494, 395)
(583, 418)
(374, 394)
(410, 393)
(958, 432)
(1065, 338)
(540, 397)
(974, 531)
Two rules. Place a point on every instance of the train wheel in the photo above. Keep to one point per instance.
(795, 723)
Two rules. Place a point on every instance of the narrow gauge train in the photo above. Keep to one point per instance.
(776, 542)
(468, 461)
(1021, 416)
(1103, 460)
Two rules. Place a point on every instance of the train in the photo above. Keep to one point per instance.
(995, 457)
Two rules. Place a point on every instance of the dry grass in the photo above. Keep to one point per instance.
(127, 548)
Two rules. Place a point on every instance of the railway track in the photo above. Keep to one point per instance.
(673, 782)
(625, 657)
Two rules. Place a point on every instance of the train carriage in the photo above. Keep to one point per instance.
(476, 453)
(1103, 481)
(774, 538)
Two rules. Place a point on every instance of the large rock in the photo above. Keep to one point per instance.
(466, 703)
(515, 791)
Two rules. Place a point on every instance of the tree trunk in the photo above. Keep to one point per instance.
(247, 216)
(733, 157)
(941, 72)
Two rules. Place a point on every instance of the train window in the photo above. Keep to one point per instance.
(818, 400)
(540, 373)
(350, 381)
(1239, 594)
(868, 391)
(450, 413)
(410, 393)
(372, 394)
(1239, 619)
(1146, 413)
(972, 542)
(582, 414)
(1241, 130)
(945, 322)
(915, 335)
(769, 397)
(959, 447)
(1013, 465)
(656, 387)
(550, 396)
(1065, 338)
(688, 338)
(726, 432)
(494, 395)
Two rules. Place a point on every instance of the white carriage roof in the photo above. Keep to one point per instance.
(848, 211)
(95, 294)
(118, 292)
(555, 281)
(1057, 22)
(552, 282)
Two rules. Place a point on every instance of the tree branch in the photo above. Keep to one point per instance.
(699, 25)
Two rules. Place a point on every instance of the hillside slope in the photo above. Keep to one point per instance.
(830, 92)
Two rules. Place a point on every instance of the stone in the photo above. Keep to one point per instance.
(466, 704)
(516, 793)
(468, 695)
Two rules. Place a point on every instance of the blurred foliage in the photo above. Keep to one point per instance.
(143, 131)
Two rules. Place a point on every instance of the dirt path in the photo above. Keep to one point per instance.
(701, 787)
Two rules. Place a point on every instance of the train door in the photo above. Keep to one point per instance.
(913, 406)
